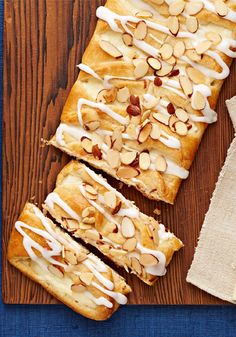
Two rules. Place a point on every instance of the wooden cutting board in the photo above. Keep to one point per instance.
(43, 42)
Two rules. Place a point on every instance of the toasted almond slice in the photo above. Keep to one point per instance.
(123, 95)
(85, 226)
(87, 144)
(182, 115)
(145, 115)
(136, 265)
(90, 189)
(141, 30)
(161, 164)
(130, 244)
(70, 257)
(214, 37)
(164, 119)
(113, 158)
(127, 157)
(86, 278)
(221, 8)
(186, 85)
(110, 49)
(156, 238)
(111, 227)
(192, 24)
(193, 7)
(106, 95)
(92, 126)
(176, 7)
(144, 132)
(127, 227)
(156, 132)
(131, 131)
(133, 110)
(166, 51)
(88, 211)
(96, 151)
(171, 61)
(181, 128)
(158, 2)
(107, 140)
(193, 55)
(127, 172)
(179, 49)
(144, 14)
(92, 234)
(55, 271)
(173, 25)
(164, 71)
(118, 205)
(78, 288)
(144, 161)
(203, 46)
(148, 260)
(154, 63)
(81, 257)
(141, 69)
(173, 119)
(100, 96)
(170, 108)
(127, 39)
(195, 75)
(117, 141)
(198, 101)
(88, 220)
(117, 238)
(110, 199)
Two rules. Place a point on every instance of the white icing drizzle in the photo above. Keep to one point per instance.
(89, 70)
(231, 15)
(107, 283)
(210, 116)
(118, 297)
(53, 198)
(99, 300)
(159, 269)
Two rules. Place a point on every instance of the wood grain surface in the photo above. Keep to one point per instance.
(43, 42)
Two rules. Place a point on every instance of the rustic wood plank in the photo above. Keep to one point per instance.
(43, 42)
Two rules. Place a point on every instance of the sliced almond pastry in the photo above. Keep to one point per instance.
(127, 172)
(176, 7)
(182, 115)
(144, 161)
(141, 30)
(91, 192)
(161, 164)
(78, 288)
(55, 271)
(166, 51)
(133, 110)
(131, 131)
(214, 37)
(110, 49)
(127, 39)
(193, 7)
(92, 126)
(203, 46)
(97, 153)
(181, 128)
(148, 260)
(144, 14)
(113, 158)
(127, 157)
(154, 63)
(141, 69)
(195, 75)
(86, 144)
(130, 244)
(173, 119)
(164, 71)
(91, 234)
(161, 118)
(110, 199)
(127, 228)
(123, 95)
(192, 24)
(221, 8)
(179, 49)
(144, 132)
(136, 265)
(186, 85)
(173, 25)
(193, 55)
(86, 278)
(198, 101)
(70, 257)
(156, 132)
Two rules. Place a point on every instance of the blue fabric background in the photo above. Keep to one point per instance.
(145, 321)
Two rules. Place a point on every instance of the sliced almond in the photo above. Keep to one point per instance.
(133, 110)
(131, 131)
(127, 157)
(87, 144)
(117, 141)
(173, 119)
(195, 75)
(100, 96)
(90, 190)
(136, 265)
(78, 288)
(123, 95)
(141, 69)
(127, 172)
(192, 24)
(86, 278)
(92, 126)
(193, 7)
(113, 158)
(127, 39)
(203, 46)
(164, 119)
(166, 51)
(193, 55)
(144, 161)
(179, 49)
(144, 14)
(117, 238)
(111, 227)
(127, 227)
(108, 141)
(140, 31)
(173, 25)
(156, 238)
(221, 8)
(198, 101)
(181, 128)
(154, 62)
(186, 85)
(91, 234)
(110, 199)
(171, 61)
(70, 257)
(182, 115)
(148, 260)
(88, 211)
(214, 37)
(130, 244)
(164, 71)
(149, 101)
(96, 151)
(106, 95)
(117, 208)
(146, 114)
(144, 132)
(176, 7)
(110, 49)
(156, 132)
(55, 271)
(161, 164)
(88, 220)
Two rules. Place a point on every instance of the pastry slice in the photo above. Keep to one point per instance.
(46, 254)
(148, 83)
(89, 208)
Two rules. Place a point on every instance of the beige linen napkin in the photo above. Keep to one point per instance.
(214, 265)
